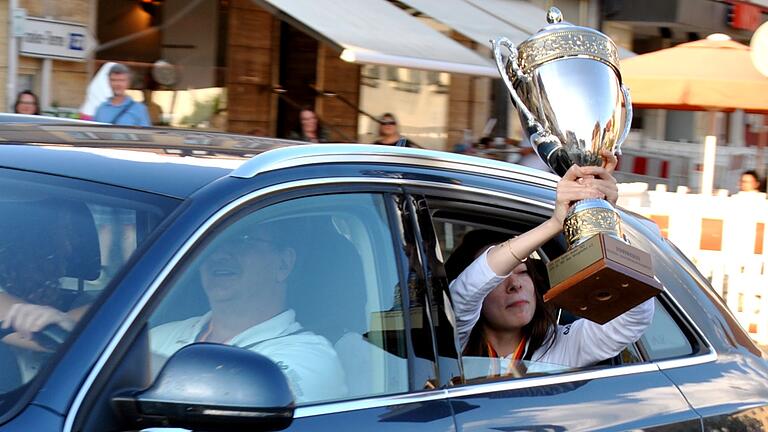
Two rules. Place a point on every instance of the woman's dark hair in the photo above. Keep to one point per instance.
(30, 93)
(540, 331)
(321, 132)
(752, 173)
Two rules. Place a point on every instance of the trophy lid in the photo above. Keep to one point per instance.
(561, 39)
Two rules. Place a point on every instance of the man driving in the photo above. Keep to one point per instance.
(245, 274)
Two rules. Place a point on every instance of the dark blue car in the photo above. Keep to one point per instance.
(121, 243)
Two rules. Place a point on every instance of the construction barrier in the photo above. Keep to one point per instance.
(723, 235)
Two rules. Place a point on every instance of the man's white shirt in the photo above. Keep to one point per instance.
(308, 360)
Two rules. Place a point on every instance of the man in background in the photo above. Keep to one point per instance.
(529, 158)
(121, 109)
(750, 182)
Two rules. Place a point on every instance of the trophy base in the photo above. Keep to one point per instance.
(601, 278)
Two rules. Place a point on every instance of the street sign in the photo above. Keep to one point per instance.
(54, 39)
(19, 22)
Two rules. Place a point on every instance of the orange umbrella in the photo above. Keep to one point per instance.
(709, 74)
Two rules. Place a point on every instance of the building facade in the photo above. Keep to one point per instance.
(59, 81)
(248, 66)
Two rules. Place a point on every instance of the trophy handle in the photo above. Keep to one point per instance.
(627, 119)
(531, 124)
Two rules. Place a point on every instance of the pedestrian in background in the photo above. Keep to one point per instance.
(389, 134)
(529, 157)
(750, 182)
(121, 109)
(311, 129)
(98, 91)
(488, 148)
(27, 103)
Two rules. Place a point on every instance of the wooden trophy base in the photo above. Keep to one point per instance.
(601, 279)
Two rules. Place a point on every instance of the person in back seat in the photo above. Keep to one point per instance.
(244, 276)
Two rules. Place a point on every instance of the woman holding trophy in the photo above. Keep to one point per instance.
(501, 314)
(566, 85)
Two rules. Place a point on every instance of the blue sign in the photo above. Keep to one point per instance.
(76, 41)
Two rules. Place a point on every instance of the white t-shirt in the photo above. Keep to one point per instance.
(578, 344)
(308, 360)
(532, 160)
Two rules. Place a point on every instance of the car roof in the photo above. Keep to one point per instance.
(40, 119)
(129, 156)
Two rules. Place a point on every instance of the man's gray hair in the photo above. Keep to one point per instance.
(120, 69)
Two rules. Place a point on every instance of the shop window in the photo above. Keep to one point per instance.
(409, 80)
(439, 80)
(393, 74)
(370, 75)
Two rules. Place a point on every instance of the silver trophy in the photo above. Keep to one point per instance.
(566, 85)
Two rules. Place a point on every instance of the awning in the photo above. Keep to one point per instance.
(520, 17)
(378, 32)
(472, 20)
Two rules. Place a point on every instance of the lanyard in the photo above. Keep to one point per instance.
(206, 333)
(496, 365)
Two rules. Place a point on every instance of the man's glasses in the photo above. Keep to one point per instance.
(248, 243)
(388, 123)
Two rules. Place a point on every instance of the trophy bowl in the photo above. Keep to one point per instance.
(566, 86)
(583, 111)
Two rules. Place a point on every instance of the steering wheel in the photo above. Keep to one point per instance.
(49, 337)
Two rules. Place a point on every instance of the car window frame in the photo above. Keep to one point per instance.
(255, 199)
(448, 362)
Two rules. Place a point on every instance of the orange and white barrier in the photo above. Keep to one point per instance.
(724, 236)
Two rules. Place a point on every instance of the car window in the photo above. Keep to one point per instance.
(664, 338)
(311, 283)
(452, 227)
(61, 243)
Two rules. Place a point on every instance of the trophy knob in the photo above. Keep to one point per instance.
(554, 15)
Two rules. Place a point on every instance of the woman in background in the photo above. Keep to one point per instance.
(311, 129)
(389, 134)
(27, 103)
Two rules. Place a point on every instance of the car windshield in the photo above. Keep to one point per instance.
(61, 242)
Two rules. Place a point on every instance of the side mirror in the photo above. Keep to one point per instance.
(213, 387)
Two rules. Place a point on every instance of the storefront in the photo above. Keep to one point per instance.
(248, 66)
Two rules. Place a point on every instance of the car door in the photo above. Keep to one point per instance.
(625, 393)
(343, 263)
